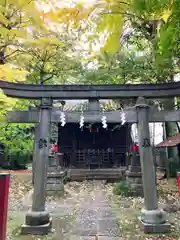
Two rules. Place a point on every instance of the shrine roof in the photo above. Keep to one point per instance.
(170, 142)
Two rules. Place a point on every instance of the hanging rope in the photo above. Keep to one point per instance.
(63, 119)
(104, 120)
(81, 123)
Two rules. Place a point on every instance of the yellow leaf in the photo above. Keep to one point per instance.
(44, 43)
(166, 14)
(18, 33)
(3, 9)
(112, 45)
(4, 32)
(6, 104)
(4, 20)
(69, 15)
(12, 74)
(112, 4)
(113, 24)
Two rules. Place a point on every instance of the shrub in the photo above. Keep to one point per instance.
(121, 188)
(18, 145)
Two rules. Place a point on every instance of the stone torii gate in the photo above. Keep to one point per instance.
(38, 220)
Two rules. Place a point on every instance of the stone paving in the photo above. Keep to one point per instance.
(84, 215)
(95, 218)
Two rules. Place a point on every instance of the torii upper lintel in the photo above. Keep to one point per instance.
(107, 91)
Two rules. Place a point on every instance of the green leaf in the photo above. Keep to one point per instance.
(113, 24)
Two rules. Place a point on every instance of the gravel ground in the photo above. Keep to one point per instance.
(128, 209)
(68, 209)
(20, 185)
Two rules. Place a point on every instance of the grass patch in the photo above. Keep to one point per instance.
(127, 218)
(129, 223)
(61, 227)
(15, 220)
(128, 210)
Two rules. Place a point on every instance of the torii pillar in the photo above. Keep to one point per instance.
(38, 221)
(93, 105)
(153, 219)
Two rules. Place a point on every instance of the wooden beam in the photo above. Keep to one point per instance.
(74, 117)
(108, 91)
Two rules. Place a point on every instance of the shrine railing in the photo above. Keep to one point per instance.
(94, 157)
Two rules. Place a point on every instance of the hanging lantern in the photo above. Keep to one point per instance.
(136, 148)
(91, 129)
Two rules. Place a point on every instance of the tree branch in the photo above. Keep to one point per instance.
(45, 80)
(123, 2)
(12, 53)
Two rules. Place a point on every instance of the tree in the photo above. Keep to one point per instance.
(47, 60)
(33, 52)
(156, 23)
(157, 19)
(15, 18)
(30, 51)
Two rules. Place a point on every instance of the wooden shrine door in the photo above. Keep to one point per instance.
(93, 147)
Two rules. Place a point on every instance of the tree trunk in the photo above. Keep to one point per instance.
(170, 127)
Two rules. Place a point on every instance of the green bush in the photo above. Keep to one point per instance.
(17, 140)
(121, 188)
(19, 161)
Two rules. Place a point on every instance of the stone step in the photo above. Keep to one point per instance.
(98, 169)
(54, 180)
(55, 187)
(55, 183)
(95, 174)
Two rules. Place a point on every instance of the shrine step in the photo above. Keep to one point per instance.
(55, 183)
(110, 174)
